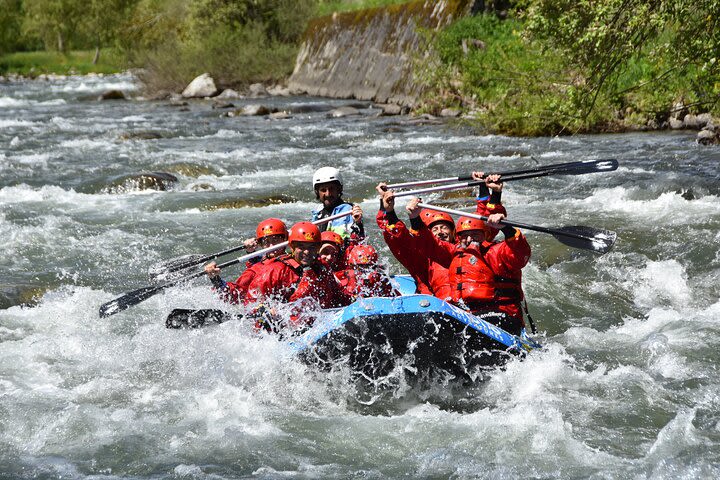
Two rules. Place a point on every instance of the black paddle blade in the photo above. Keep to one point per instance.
(128, 300)
(594, 166)
(184, 318)
(586, 238)
(162, 272)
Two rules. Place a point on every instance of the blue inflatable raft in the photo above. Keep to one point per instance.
(423, 332)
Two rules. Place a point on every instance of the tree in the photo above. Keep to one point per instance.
(602, 38)
(11, 15)
(55, 22)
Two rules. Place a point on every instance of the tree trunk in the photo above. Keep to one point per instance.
(97, 55)
(61, 44)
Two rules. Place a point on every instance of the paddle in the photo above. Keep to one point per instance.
(585, 238)
(141, 294)
(569, 168)
(163, 271)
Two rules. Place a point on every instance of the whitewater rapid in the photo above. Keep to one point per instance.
(626, 385)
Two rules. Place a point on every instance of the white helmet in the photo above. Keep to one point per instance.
(327, 174)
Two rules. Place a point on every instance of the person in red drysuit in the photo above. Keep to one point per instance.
(364, 277)
(288, 278)
(484, 276)
(332, 251)
(431, 278)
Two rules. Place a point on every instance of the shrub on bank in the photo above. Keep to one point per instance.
(516, 77)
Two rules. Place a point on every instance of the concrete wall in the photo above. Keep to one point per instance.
(369, 54)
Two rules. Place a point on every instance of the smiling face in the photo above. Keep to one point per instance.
(305, 253)
(271, 240)
(328, 193)
(443, 231)
(330, 254)
(470, 236)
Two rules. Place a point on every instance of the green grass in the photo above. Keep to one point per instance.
(79, 62)
(328, 7)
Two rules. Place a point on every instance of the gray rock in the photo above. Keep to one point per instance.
(278, 91)
(257, 90)
(389, 109)
(229, 93)
(112, 95)
(708, 137)
(343, 112)
(280, 115)
(254, 110)
(679, 110)
(675, 123)
(697, 122)
(450, 112)
(201, 87)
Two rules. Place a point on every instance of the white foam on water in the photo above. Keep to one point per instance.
(56, 101)
(134, 118)
(86, 144)
(16, 123)
(12, 102)
(670, 208)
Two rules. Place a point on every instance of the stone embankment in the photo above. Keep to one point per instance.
(370, 54)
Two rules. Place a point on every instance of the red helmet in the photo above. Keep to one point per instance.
(431, 216)
(465, 224)
(332, 237)
(304, 232)
(271, 226)
(362, 255)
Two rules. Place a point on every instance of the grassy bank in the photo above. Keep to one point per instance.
(32, 64)
(331, 6)
(513, 84)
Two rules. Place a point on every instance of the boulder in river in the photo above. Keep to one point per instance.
(201, 87)
(389, 109)
(255, 110)
(229, 93)
(280, 115)
(450, 112)
(141, 135)
(112, 95)
(141, 181)
(708, 137)
(278, 91)
(343, 112)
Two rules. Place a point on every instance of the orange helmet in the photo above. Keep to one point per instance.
(431, 216)
(362, 255)
(332, 237)
(271, 226)
(465, 224)
(304, 232)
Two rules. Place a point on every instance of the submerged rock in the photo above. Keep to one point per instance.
(250, 202)
(201, 87)
(343, 112)
(112, 95)
(192, 169)
(141, 135)
(12, 295)
(160, 181)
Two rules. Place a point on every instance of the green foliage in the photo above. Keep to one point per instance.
(237, 42)
(573, 66)
(11, 16)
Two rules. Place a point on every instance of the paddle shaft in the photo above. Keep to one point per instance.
(557, 168)
(136, 296)
(526, 226)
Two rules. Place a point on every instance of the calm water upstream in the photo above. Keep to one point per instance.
(627, 385)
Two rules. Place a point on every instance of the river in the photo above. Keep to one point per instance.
(626, 386)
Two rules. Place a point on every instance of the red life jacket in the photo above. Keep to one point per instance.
(475, 283)
(439, 280)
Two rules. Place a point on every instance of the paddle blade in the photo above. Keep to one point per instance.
(586, 238)
(162, 272)
(128, 300)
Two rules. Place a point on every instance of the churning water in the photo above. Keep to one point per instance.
(627, 385)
